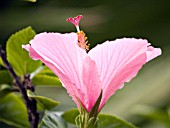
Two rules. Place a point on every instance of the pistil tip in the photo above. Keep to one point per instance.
(75, 20)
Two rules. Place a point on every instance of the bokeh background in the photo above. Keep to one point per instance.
(105, 20)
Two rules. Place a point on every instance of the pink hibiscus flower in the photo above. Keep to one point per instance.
(105, 68)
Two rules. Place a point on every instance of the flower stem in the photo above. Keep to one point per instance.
(33, 116)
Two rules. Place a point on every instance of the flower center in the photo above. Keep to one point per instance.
(82, 39)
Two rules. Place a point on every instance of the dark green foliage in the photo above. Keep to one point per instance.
(19, 58)
(70, 115)
(44, 102)
(108, 121)
(52, 120)
(5, 77)
(13, 111)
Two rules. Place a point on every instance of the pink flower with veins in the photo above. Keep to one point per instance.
(105, 67)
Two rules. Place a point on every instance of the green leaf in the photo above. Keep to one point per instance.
(5, 77)
(52, 120)
(13, 111)
(44, 102)
(5, 89)
(1, 62)
(42, 79)
(108, 121)
(18, 57)
(70, 115)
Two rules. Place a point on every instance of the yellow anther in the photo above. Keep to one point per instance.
(82, 40)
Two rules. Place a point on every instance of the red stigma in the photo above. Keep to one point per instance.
(75, 20)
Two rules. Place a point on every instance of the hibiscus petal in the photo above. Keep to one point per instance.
(26, 47)
(62, 55)
(118, 62)
(34, 55)
(92, 81)
(152, 53)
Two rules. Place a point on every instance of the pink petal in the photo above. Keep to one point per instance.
(62, 55)
(34, 55)
(92, 81)
(152, 53)
(118, 62)
(32, 52)
(26, 47)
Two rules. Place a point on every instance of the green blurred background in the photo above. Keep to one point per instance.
(105, 20)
